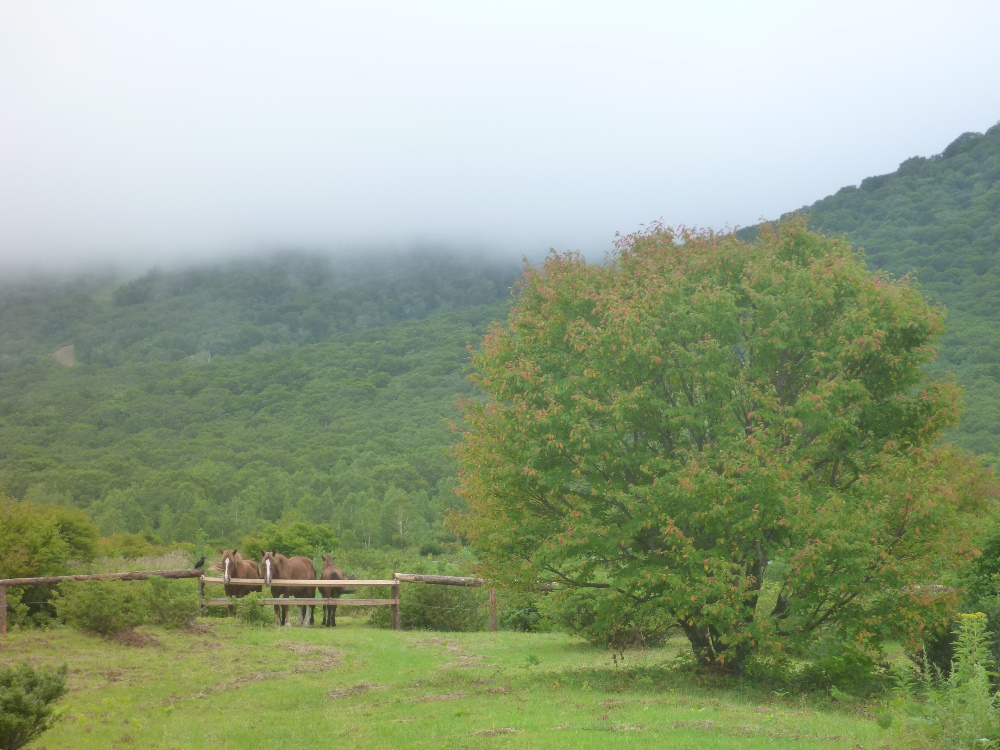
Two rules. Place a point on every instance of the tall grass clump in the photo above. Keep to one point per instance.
(959, 710)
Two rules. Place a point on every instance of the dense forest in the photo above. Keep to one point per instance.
(208, 402)
(938, 219)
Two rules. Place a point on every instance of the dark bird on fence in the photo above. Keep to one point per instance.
(200, 563)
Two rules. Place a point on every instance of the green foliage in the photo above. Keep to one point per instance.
(834, 664)
(249, 611)
(348, 430)
(523, 612)
(102, 607)
(605, 619)
(960, 710)
(458, 609)
(290, 540)
(171, 603)
(26, 703)
(669, 422)
(938, 218)
(130, 546)
(109, 607)
(40, 539)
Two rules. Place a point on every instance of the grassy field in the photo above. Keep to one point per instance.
(226, 685)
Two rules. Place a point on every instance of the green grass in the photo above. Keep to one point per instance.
(223, 685)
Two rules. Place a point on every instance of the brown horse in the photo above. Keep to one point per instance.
(330, 573)
(234, 566)
(278, 567)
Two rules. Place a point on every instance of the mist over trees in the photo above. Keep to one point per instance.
(210, 402)
(220, 398)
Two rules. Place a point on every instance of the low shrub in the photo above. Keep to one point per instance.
(837, 667)
(619, 625)
(26, 703)
(109, 607)
(101, 607)
(249, 611)
(459, 609)
(520, 612)
(172, 604)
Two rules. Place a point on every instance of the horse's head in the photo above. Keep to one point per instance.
(269, 563)
(330, 569)
(229, 568)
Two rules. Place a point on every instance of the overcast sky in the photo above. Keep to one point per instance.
(157, 130)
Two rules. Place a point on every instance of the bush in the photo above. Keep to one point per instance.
(585, 612)
(520, 612)
(249, 611)
(291, 539)
(109, 607)
(100, 607)
(172, 604)
(837, 667)
(130, 546)
(460, 609)
(26, 699)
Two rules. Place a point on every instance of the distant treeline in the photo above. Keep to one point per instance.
(235, 307)
(214, 401)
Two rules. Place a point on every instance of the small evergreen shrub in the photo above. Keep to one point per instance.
(249, 611)
(26, 703)
(102, 607)
(172, 604)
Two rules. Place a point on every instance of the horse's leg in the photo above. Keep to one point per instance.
(277, 615)
(333, 616)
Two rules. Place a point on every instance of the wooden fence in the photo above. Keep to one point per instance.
(138, 575)
(392, 601)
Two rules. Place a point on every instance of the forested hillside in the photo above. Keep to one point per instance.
(938, 219)
(215, 399)
(210, 401)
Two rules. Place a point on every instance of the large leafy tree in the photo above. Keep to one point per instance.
(668, 424)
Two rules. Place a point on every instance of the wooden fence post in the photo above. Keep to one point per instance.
(3, 610)
(493, 610)
(394, 594)
(201, 596)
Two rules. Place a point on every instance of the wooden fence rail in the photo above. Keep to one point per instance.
(323, 585)
(137, 575)
(293, 601)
